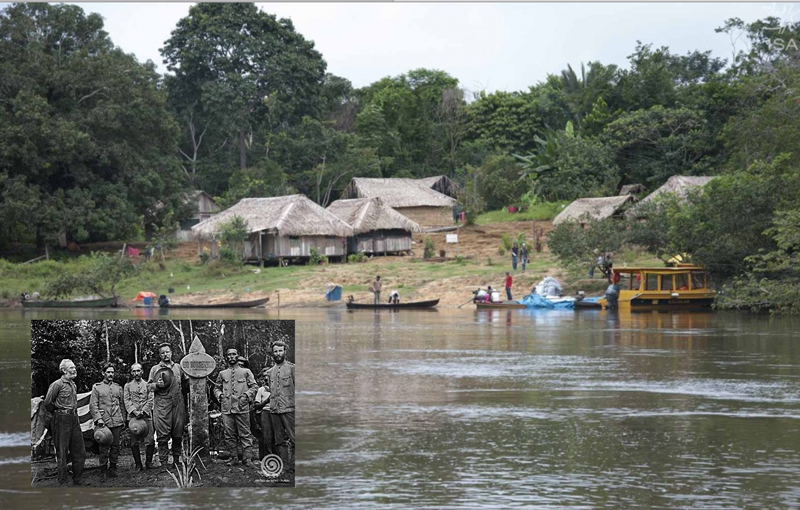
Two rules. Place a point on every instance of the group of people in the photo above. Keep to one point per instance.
(375, 288)
(521, 253)
(491, 295)
(159, 403)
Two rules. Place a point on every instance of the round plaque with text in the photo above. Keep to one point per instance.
(198, 364)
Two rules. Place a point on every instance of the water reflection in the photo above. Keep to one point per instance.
(502, 408)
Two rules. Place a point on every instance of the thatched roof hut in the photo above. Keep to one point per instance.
(596, 208)
(410, 197)
(378, 228)
(443, 184)
(370, 214)
(678, 184)
(282, 227)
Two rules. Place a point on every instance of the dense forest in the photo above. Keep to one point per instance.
(100, 146)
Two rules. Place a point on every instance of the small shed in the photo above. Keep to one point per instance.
(206, 208)
(281, 227)
(410, 197)
(377, 227)
(596, 208)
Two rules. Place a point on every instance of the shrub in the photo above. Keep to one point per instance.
(489, 261)
(501, 251)
(316, 258)
(357, 257)
(460, 259)
(506, 240)
(204, 258)
(228, 255)
(430, 248)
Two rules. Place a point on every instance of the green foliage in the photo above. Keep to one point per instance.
(506, 241)
(497, 181)
(100, 277)
(489, 261)
(574, 244)
(430, 248)
(460, 259)
(583, 168)
(501, 251)
(165, 234)
(357, 257)
(233, 233)
(316, 258)
(87, 145)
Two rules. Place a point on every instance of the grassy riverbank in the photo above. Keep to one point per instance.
(473, 263)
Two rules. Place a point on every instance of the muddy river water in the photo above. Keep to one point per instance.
(496, 409)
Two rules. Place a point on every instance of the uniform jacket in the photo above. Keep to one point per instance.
(281, 388)
(138, 397)
(107, 403)
(236, 388)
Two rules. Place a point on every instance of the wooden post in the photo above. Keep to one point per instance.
(198, 365)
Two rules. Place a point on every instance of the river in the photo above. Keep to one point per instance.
(496, 409)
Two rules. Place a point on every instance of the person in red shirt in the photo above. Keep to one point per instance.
(508, 285)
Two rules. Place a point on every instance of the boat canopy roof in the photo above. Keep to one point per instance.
(681, 268)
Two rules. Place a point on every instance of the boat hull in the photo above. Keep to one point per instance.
(507, 305)
(240, 304)
(389, 306)
(89, 303)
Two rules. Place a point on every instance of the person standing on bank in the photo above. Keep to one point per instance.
(168, 382)
(377, 284)
(509, 281)
(514, 254)
(62, 401)
(236, 388)
(108, 409)
(139, 404)
(281, 388)
(523, 254)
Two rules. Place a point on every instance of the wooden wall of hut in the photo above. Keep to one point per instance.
(428, 216)
(293, 246)
(382, 241)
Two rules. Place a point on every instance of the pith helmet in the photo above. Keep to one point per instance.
(168, 375)
(138, 428)
(103, 436)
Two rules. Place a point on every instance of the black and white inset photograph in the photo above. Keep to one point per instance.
(162, 403)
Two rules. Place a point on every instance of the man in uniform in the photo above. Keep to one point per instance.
(169, 412)
(139, 404)
(236, 388)
(108, 408)
(62, 401)
(281, 388)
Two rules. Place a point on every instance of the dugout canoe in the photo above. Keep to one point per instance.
(234, 304)
(412, 304)
(78, 303)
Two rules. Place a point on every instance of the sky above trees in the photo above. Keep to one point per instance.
(486, 46)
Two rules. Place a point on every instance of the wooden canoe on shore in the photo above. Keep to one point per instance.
(79, 303)
(235, 304)
(412, 304)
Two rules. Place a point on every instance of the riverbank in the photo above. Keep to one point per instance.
(474, 262)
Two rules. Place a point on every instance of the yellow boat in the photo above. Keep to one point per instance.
(684, 286)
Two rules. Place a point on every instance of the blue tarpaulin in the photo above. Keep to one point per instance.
(537, 301)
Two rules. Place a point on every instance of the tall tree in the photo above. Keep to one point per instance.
(237, 67)
(86, 143)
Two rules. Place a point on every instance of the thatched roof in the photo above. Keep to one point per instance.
(678, 184)
(397, 192)
(370, 214)
(293, 215)
(443, 184)
(596, 208)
